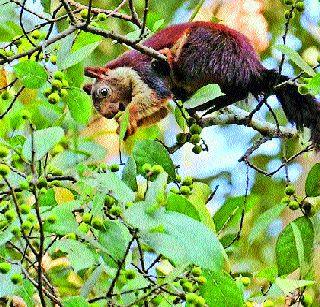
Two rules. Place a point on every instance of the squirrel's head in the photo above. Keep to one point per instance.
(111, 91)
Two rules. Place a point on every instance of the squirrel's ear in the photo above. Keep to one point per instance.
(87, 88)
(95, 72)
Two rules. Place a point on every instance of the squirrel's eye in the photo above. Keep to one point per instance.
(104, 92)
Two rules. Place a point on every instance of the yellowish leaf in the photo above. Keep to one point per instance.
(63, 195)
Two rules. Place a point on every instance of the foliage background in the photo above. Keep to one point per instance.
(89, 140)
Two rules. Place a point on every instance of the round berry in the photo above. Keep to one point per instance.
(35, 34)
(307, 300)
(130, 274)
(24, 185)
(97, 223)
(10, 215)
(4, 170)
(4, 151)
(16, 231)
(268, 303)
(56, 84)
(57, 149)
(52, 218)
(25, 209)
(146, 168)
(196, 271)
(157, 169)
(109, 201)
(195, 139)
(47, 91)
(54, 98)
(115, 210)
(187, 286)
(17, 40)
(294, 205)
(58, 75)
(191, 298)
(195, 129)
(42, 182)
(83, 227)
(285, 200)
(65, 83)
(303, 89)
(102, 17)
(5, 267)
(197, 149)
(5, 95)
(16, 278)
(187, 181)
(53, 59)
(299, 6)
(26, 225)
(31, 218)
(86, 217)
(289, 14)
(84, 13)
(114, 168)
(289, 190)
(174, 190)
(245, 281)
(181, 138)
(71, 236)
(184, 190)
(63, 93)
(201, 280)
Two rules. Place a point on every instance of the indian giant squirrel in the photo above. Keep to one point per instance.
(198, 53)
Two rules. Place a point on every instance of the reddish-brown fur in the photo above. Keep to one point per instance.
(200, 53)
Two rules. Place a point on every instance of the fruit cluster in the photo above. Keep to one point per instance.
(58, 89)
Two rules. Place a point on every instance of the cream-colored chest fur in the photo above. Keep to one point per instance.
(141, 93)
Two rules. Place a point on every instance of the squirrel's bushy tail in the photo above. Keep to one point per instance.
(302, 110)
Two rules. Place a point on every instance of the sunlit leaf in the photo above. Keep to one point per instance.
(31, 74)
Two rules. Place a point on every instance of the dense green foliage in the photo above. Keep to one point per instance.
(134, 233)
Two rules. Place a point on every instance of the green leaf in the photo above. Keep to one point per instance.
(180, 204)
(177, 240)
(79, 104)
(110, 182)
(264, 220)
(8, 30)
(75, 301)
(157, 25)
(180, 120)
(74, 75)
(230, 211)
(287, 286)
(90, 283)
(77, 56)
(199, 198)
(295, 244)
(115, 239)
(46, 5)
(156, 190)
(312, 185)
(203, 95)
(84, 39)
(124, 123)
(296, 58)
(44, 141)
(74, 249)
(129, 174)
(221, 290)
(149, 151)
(31, 74)
(270, 273)
(66, 221)
(314, 84)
